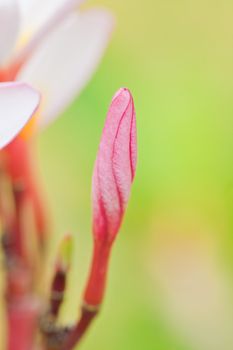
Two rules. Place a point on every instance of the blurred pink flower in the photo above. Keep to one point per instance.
(52, 46)
(115, 167)
(18, 103)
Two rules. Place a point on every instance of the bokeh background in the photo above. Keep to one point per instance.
(171, 271)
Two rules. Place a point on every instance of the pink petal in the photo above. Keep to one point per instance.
(18, 103)
(115, 166)
(65, 61)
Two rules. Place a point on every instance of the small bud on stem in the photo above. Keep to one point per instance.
(113, 176)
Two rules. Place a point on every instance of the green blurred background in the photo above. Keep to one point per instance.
(176, 56)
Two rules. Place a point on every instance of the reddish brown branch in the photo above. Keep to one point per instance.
(77, 333)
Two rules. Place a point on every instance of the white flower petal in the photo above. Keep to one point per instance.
(36, 34)
(25, 5)
(36, 13)
(9, 27)
(66, 60)
(18, 103)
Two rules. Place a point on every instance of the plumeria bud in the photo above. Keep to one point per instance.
(115, 167)
(113, 175)
(65, 252)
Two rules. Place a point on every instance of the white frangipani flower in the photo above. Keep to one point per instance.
(52, 46)
(9, 27)
(18, 103)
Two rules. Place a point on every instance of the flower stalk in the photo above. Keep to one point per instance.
(18, 103)
(20, 170)
(114, 173)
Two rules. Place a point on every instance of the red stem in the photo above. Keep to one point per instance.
(22, 323)
(95, 288)
(94, 293)
(76, 335)
(20, 170)
(22, 308)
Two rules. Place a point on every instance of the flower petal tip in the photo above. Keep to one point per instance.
(122, 91)
(18, 103)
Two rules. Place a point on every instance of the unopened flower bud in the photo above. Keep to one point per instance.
(113, 176)
(115, 167)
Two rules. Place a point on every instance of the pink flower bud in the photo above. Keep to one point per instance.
(115, 167)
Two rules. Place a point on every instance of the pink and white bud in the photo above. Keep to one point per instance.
(115, 167)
